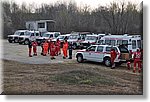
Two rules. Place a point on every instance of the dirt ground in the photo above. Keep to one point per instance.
(70, 78)
(40, 75)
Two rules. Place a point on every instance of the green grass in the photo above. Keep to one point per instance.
(82, 77)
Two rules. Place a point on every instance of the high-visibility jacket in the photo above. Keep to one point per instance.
(65, 48)
(52, 49)
(137, 55)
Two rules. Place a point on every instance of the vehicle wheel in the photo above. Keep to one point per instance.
(26, 42)
(74, 46)
(107, 62)
(79, 58)
(16, 40)
(9, 41)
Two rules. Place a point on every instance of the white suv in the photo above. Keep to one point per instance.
(101, 53)
(29, 35)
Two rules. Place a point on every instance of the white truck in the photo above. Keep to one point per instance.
(89, 40)
(29, 35)
(14, 38)
(46, 36)
(76, 37)
(101, 53)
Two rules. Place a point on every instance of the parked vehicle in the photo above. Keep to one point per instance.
(77, 37)
(14, 38)
(89, 40)
(46, 36)
(62, 38)
(101, 53)
(132, 42)
(29, 35)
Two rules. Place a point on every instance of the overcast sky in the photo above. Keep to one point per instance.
(91, 3)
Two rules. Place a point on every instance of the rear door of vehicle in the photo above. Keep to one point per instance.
(124, 53)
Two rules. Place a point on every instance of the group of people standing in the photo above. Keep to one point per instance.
(137, 59)
(52, 48)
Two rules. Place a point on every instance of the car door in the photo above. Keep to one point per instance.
(89, 53)
(99, 55)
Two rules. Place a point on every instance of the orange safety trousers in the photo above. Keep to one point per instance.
(45, 48)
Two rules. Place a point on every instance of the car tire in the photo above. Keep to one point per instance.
(15, 40)
(26, 42)
(79, 58)
(107, 62)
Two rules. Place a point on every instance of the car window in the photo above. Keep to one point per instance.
(51, 35)
(92, 48)
(37, 34)
(57, 34)
(22, 33)
(133, 44)
(123, 50)
(139, 43)
(32, 34)
(108, 49)
(100, 49)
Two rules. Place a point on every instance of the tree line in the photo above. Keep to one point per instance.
(115, 18)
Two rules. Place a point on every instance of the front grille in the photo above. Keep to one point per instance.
(16, 37)
(10, 37)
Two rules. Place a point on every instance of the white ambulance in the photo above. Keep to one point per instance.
(132, 42)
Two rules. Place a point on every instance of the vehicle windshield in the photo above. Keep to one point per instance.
(73, 37)
(90, 38)
(46, 35)
(17, 33)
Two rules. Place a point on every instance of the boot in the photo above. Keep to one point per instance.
(139, 71)
(133, 71)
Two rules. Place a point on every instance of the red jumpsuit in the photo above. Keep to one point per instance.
(137, 60)
(52, 50)
(113, 57)
(57, 47)
(45, 48)
(34, 44)
(65, 48)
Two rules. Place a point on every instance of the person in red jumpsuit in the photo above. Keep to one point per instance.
(49, 44)
(137, 60)
(113, 57)
(52, 50)
(58, 52)
(45, 48)
(34, 44)
(65, 48)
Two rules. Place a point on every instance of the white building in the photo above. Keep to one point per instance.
(40, 25)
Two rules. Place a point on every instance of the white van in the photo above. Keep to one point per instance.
(132, 42)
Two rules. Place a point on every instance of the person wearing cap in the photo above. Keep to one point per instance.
(137, 60)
